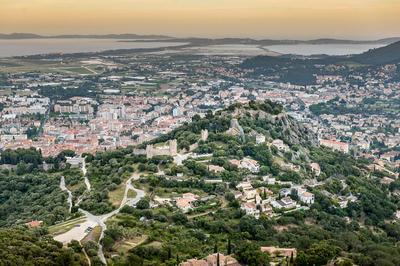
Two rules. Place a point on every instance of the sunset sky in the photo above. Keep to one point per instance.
(301, 19)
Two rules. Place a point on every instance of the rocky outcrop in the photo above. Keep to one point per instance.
(293, 132)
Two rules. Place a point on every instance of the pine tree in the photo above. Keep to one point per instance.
(229, 249)
(169, 253)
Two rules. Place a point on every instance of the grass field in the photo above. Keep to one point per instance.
(116, 196)
(94, 235)
(13, 65)
(65, 226)
(76, 70)
(131, 193)
(127, 244)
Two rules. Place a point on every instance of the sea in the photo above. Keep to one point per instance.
(328, 49)
(24, 47)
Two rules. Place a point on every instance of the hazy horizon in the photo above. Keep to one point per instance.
(272, 19)
(194, 36)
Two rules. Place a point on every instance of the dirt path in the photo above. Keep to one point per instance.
(90, 70)
(64, 188)
(84, 171)
(87, 257)
(79, 232)
(87, 183)
(125, 201)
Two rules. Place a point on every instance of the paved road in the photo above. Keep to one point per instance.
(87, 183)
(125, 201)
(64, 188)
(79, 232)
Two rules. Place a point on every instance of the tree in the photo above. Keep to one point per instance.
(229, 196)
(250, 254)
(169, 253)
(179, 218)
(75, 245)
(229, 248)
(108, 242)
(143, 204)
(22, 168)
(318, 254)
(22, 246)
(291, 258)
(134, 260)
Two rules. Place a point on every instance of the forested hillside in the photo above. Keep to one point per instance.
(364, 232)
(157, 231)
(20, 246)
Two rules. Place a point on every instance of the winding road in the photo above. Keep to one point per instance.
(84, 171)
(64, 188)
(79, 232)
(101, 219)
(87, 183)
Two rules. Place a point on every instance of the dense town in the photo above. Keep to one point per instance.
(107, 105)
(132, 100)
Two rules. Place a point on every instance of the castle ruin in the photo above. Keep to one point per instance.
(171, 149)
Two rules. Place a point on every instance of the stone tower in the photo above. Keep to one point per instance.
(173, 147)
(204, 134)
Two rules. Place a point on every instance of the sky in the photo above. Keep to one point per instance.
(279, 19)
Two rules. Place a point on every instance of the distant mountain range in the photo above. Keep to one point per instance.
(16, 36)
(301, 70)
(207, 41)
(201, 41)
(389, 54)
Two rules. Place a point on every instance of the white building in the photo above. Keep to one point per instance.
(306, 197)
(75, 161)
(250, 164)
(284, 203)
(251, 209)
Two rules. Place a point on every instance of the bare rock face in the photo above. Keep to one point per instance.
(297, 133)
(293, 132)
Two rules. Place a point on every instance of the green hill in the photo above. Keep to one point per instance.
(364, 231)
(385, 55)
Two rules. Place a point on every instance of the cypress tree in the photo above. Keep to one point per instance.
(229, 249)
(169, 253)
